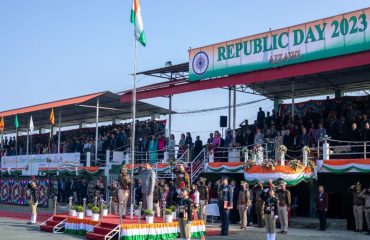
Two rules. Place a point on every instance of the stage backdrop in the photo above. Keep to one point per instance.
(14, 191)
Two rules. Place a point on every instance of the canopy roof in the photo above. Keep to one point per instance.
(347, 72)
(77, 110)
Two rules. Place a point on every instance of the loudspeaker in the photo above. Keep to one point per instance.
(223, 121)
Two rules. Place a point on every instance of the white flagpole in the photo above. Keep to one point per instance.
(133, 129)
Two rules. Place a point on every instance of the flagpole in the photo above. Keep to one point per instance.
(133, 129)
(28, 141)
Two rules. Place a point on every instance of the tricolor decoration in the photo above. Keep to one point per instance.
(224, 167)
(79, 226)
(345, 166)
(290, 176)
(70, 170)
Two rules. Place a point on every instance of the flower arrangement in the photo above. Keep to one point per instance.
(245, 150)
(311, 164)
(282, 149)
(249, 163)
(235, 145)
(255, 149)
(307, 149)
(269, 163)
(294, 164)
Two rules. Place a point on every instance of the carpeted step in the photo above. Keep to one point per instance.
(59, 218)
(46, 228)
(52, 223)
(94, 236)
(101, 230)
(108, 225)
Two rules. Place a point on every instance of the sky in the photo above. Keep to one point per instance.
(52, 50)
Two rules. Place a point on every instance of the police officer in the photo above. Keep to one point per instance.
(271, 212)
(33, 194)
(225, 197)
(284, 198)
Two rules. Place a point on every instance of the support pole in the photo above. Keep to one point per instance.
(96, 131)
(169, 115)
(234, 113)
(28, 141)
(133, 132)
(229, 110)
(293, 96)
(59, 128)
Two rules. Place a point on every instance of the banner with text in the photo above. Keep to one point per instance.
(32, 163)
(339, 35)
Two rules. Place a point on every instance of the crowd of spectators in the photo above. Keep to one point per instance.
(341, 118)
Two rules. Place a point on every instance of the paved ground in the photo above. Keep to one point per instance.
(11, 229)
(17, 229)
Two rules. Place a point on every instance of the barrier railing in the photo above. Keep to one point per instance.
(340, 149)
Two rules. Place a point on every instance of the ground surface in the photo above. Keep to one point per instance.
(13, 227)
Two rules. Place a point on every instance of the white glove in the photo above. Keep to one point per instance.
(266, 190)
(275, 217)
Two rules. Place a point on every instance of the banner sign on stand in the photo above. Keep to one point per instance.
(32, 163)
(339, 35)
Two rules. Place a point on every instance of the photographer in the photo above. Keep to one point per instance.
(366, 195)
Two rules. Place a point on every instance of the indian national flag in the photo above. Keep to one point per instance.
(137, 21)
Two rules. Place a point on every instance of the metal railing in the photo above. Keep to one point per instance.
(329, 148)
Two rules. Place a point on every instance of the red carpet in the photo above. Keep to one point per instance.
(41, 217)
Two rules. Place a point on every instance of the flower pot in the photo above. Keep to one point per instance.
(80, 215)
(174, 216)
(105, 212)
(73, 213)
(149, 219)
(88, 213)
(95, 217)
(169, 218)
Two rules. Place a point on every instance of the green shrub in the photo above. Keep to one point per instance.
(95, 209)
(74, 207)
(148, 212)
(173, 208)
(90, 206)
(80, 209)
(104, 206)
(168, 211)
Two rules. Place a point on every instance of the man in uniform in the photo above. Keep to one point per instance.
(124, 189)
(357, 205)
(366, 195)
(114, 194)
(259, 203)
(244, 202)
(148, 178)
(33, 200)
(225, 198)
(203, 197)
(182, 178)
(270, 211)
(284, 198)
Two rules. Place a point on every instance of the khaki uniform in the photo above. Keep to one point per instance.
(114, 195)
(284, 198)
(259, 207)
(358, 209)
(244, 202)
(124, 191)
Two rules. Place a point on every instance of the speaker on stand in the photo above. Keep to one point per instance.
(223, 123)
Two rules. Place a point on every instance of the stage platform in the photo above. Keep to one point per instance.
(131, 229)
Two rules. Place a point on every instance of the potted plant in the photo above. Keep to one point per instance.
(95, 213)
(149, 216)
(105, 209)
(73, 212)
(80, 212)
(88, 209)
(168, 215)
(173, 209)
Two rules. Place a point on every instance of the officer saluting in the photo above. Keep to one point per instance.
(224, 204)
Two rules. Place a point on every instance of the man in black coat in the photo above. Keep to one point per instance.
(234, 212)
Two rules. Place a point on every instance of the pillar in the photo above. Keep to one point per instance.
(277, 102)
(339, 93)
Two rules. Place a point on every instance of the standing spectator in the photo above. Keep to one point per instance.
(161, 147)
(138, 193)
(258, 137)
(188, 140)
(157, 194)
(171, 147)
(366, 132)
(198, 146)
(194, 195)
(284, 198)
(304, 139)
(182, 146)
(228, 138)
(153, 148)
(322, 202)
(321, 132)
(82, 189)
(260, 116)
(210, 139)
(148, 177)
(278, 143)
(288, 140)
(312, 135)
